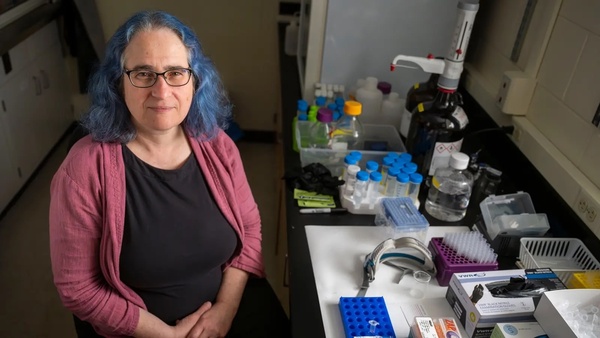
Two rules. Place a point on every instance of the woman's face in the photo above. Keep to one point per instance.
(159, 109)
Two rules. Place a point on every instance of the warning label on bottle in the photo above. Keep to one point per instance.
(441, 154)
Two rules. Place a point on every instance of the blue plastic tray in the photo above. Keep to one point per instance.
(359, 312)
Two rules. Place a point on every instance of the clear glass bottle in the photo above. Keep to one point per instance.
(360, 188)
(320, 132)
(349, 130)
(450, 190)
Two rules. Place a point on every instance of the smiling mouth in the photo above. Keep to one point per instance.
(161, 109)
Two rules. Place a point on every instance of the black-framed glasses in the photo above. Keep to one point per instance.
(143, 78)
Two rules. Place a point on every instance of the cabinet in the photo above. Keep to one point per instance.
(34, 107)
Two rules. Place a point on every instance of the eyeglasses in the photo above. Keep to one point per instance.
(146, 78)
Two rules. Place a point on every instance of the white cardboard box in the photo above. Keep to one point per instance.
(518, 330)
(480, 303)
(553, 321)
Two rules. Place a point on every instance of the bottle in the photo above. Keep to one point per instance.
(354, 88)
(436, 131)
(372, 166)
(356, 154)
(303, 127)
(371, 98)
(385, 88)
(390, 184)
(386, 164)
(450, 190)
(360, 188)
(350, 180)
(320, 132)
(349, 160)
(402, 184)
(419, 92)
(373, 188)
(414, 186)
(302, 108)
(349, 130)
(391, 109)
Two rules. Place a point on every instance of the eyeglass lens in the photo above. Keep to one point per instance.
(147, 78)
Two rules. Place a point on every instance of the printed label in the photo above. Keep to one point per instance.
(460, 115)
(441, 154)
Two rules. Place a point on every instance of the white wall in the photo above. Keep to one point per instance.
(563, 55)
(241, 38)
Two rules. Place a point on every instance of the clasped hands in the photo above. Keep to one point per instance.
(209, 321)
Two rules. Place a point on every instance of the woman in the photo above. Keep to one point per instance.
(153, 228)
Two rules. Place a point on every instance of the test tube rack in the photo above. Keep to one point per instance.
(447, 262)
(359, 315)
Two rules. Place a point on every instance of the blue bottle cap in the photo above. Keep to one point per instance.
(410, 166)
(375, 176)
(349, 159)
(332, 106)
(388, 161)
(402, 177)
(339, 102)
(401, 161)
(320, 101)
(407, 171)
(336, 115)
(398, 165)
(302, 105)
(416, 178)
(393, 172)
(303, 117)
(362, 175)
(393, 155)
(406, 156)
(372, 165)
(356, 154)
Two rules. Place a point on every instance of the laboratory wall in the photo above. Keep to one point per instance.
(241, 38)
(562, 55)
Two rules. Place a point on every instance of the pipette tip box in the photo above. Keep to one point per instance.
(365, 317)
(447, 262)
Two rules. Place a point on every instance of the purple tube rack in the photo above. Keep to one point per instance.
(447, 262)
(358, 311)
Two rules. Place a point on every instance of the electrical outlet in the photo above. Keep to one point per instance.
(587, 207)
(515, 92)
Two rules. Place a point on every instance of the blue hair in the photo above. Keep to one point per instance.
(109, 120)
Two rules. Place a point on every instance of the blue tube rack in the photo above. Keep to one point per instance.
(358, 314)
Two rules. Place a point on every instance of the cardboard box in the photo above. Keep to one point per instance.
(518, 330)
(553, 321)
(482, 299)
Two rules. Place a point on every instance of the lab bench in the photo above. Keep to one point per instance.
(496, 149)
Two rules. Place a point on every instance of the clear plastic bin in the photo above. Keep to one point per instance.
(376, 137)
(512, 214)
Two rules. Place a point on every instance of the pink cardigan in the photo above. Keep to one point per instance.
(87, 209)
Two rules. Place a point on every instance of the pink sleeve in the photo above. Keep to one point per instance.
(75, 219)
(250, 258)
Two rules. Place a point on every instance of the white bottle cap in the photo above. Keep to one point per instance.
(353, 169)
(459, 161)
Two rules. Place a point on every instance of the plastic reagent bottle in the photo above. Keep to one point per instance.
(402, 184)
(349, 130)
(372, 166)
(450, 190)
(385, 88)
(348, 161)
(414, 186)
(390, 184)
(371, 98)
(354, 88)
(350, 179)
(373, 188)
(360, 188)
(391, 109)
(320, 132)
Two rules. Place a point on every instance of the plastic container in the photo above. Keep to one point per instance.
(350, 180)
(402, 181)
(585, 280)
(564, 256)
(352, 90)
(365, 317)
(334, 159)
(414, 186)
(450, 190)
(493, 207)
(402, 218)
(349, 130)
(391, 109)
(524, 225)
(360, 188)
(447, 262)
(385, 88)
(419, 92)
(390, 184)
(371, 99)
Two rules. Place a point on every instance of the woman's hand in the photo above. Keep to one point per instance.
(183, 326)
(214, 323)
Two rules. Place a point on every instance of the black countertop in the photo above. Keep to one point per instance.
(496, 149)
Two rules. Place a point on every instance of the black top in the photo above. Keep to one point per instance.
(175, 240)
